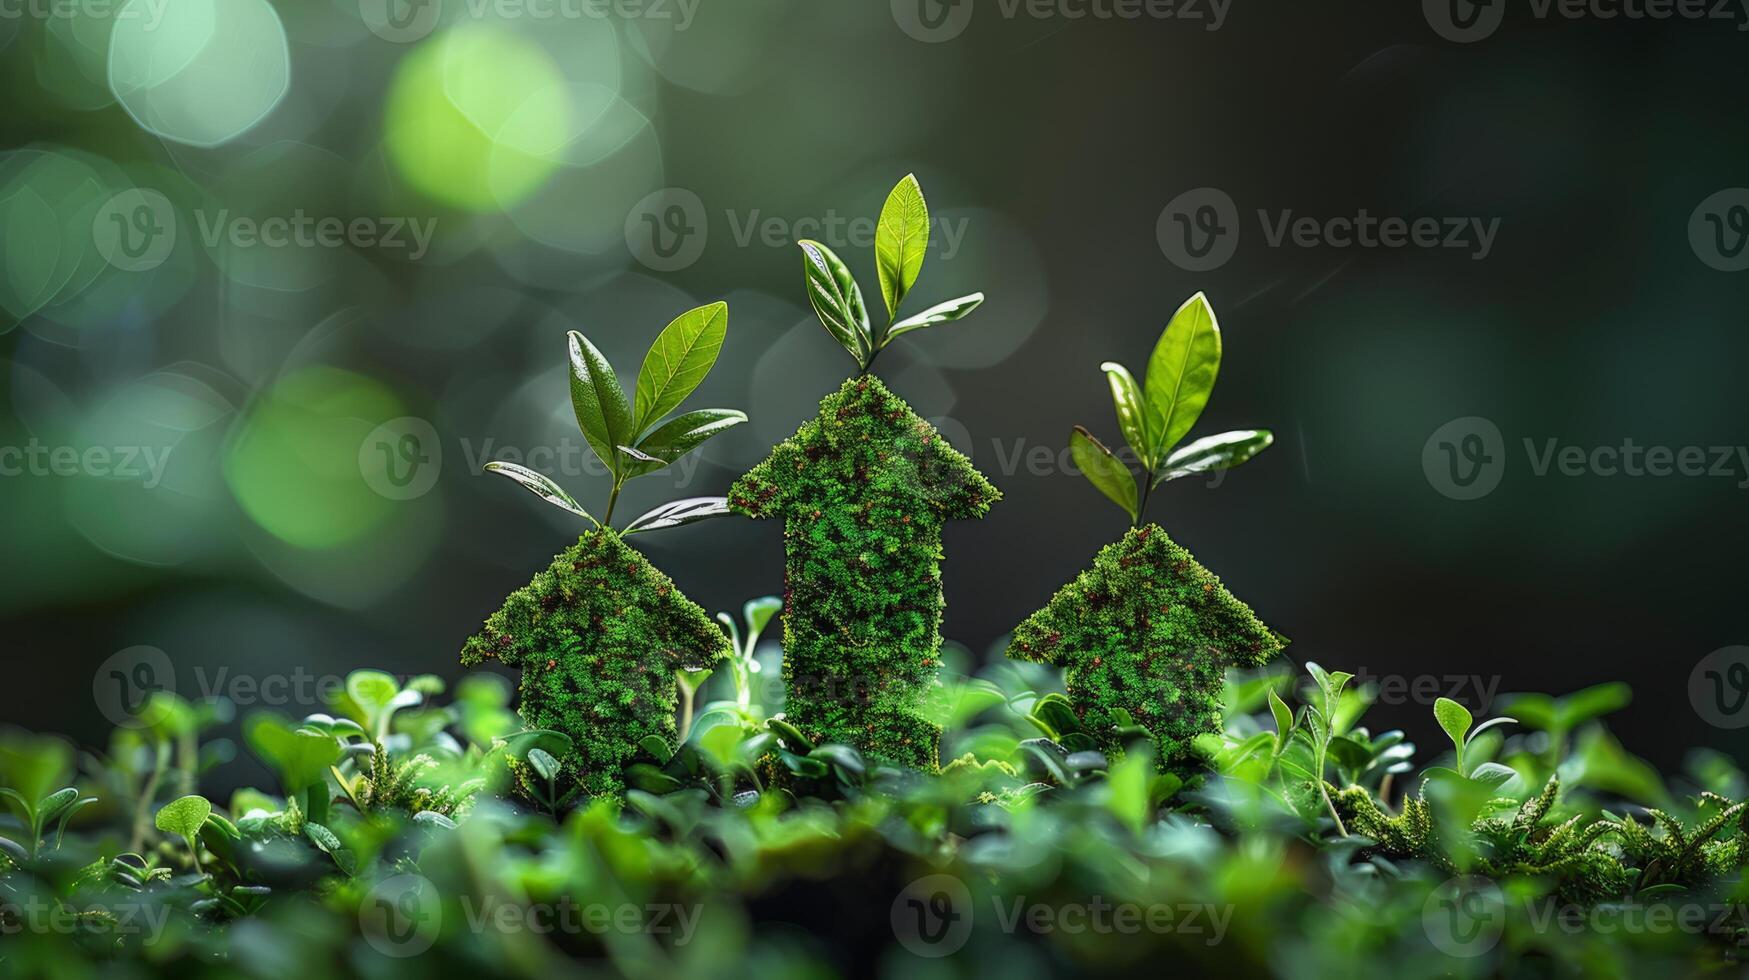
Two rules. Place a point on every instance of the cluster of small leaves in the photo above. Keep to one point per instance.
(599, 636)
(901, 243)
(630, 437)
(1156, 414)
(864, 489)
(1145, 638)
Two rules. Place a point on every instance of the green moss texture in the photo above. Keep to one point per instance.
(599, 636)
(1149, 630)
(864, 490)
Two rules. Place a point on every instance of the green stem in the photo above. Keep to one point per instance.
(143, 812)
(612, 498)
(1147, 488)
(686, 698)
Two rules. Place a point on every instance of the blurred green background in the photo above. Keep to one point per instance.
(297, 268)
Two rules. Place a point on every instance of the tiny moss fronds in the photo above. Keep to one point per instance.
(1149, 630)
(598, 636)
(864, 490)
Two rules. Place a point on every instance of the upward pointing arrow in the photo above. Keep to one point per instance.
(864, 490)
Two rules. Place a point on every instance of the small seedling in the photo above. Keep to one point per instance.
(1455, 720)
(1155, 415)
(184, 818)
(756, 614)
(626, 436)
(901, 242)
(37, 815)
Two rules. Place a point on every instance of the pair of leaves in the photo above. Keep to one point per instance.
(901, 243)
(1155, 415)
(624, 434)
(1455, 720)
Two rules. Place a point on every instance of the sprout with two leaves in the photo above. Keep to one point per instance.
(630, 437)
(1156, 414)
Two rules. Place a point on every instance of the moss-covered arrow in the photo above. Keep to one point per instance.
(864, 489)
(1145, 635)
(601, 635)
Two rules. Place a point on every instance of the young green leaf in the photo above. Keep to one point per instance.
(599, 401)
(678, 513)
(837, 300)
(541, 487)
(1132, 411)
(1455, 719)
(543, 763)
(948, 312)
(1284, 720)
(679, 436)
(1219, 452)
(901, 240)
(1103, 470)
(677, 362)
(1181, 373)
(184, 817)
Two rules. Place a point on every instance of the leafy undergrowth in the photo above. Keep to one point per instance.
(393, 843)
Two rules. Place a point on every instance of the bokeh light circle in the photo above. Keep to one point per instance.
(201, 72)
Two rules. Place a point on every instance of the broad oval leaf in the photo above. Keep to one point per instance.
(1454, 718)
(1104, 470)
(1132, 411)
(679, 436)
(1181, 373)
(837, 299)
(372, 690)
(948, 312)
(599, 401)
(1284, 719)
(901, 241)
(1493, 774)
(541, 487)
(678, 513)
(677, 362)
(184, 817)
(542, 762)
(1219, 452)
(758, 612)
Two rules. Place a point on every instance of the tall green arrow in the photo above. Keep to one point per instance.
(863, 490)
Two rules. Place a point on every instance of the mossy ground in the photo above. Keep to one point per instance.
(599, 636)
(1149, 630)
(864, 490)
